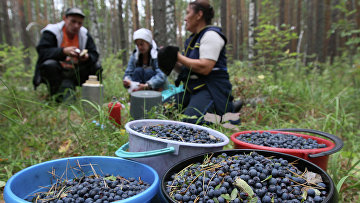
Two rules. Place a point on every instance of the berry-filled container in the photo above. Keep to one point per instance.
(162, 143)
(245, 175)
(84, 179)
(291, 141)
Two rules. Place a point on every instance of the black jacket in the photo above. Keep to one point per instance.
(48, 49)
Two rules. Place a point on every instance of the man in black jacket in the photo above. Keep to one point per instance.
(67, 55)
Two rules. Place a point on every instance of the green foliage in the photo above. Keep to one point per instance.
(271, 40)
(11, 61)
(35, 129)
(347, 28)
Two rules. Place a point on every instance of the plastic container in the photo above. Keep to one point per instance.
(302, 165)
(142, 102)
(161, 153)
(171, 91)
(92, 90)
(28, 181)
(115, 111)
(319, 156)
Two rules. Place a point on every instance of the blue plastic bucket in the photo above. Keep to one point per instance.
(32, 179)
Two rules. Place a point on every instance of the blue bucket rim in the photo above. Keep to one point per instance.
(153, 187)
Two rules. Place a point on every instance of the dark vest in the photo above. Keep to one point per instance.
(192, 47)
(217, 81)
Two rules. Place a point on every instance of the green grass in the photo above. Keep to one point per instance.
(35, 129)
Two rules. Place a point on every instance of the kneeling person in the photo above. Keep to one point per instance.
(67, 55)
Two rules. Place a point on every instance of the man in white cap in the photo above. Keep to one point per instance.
(67, 56)
(143, 71)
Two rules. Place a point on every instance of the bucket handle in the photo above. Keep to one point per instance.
(121, 152)
(338, 142)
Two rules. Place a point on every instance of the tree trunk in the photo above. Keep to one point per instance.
(252, 25)
(148, 14)
(333, 41)
(29, 10)
(135, 15)
(1, 28)
(319, 32)
(160, 22)
(24, 35)
(123, 44)
(6, 24)
(171, 22)
(53, 12)
(127, 23)
(115, 27)
(180, 8)
(229, 30)
(281, 13)
(327, 27)
(237, 30)
(244, 27)
(223, 19)
(94, 25)
(357, 14)
(46, 21)
(309, 50)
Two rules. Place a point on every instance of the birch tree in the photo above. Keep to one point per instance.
(252, 25)
(171, 22)
(94, 25)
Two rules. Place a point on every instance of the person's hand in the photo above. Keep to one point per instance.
(126, 83)
(71, 51)
(84, 57)
(142, 87)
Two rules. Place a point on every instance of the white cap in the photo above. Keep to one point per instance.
(143, 34)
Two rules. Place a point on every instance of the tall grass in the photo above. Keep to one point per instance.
(35, 129)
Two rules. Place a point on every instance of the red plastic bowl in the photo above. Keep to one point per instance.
(319, 156)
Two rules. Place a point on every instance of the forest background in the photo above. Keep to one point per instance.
(296, 62)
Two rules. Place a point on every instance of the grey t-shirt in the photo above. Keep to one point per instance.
(210, 45)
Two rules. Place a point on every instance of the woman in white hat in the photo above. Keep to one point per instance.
(142, 72)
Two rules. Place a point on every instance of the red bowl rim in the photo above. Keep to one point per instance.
(329, 143)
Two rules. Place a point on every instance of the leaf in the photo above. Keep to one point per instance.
(213, 118)
(304, 196)
(340, 183)
(230, 116)
(230, 126)
(254, 200)
(317, 192)
(64, 147)
(312, 177)
(218, 187)
(244, 186)
(2, 184)
(112, 178)
(234, 193)
(226, 196)
(216, 200)
(268, 178)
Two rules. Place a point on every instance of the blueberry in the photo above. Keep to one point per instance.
(311, 192)
(266, 199)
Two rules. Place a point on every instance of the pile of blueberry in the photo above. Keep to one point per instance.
(243, 178)
(279, 140)
(179, 133)
(92, 189)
